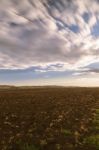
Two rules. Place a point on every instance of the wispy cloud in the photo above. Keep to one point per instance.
(57, 35)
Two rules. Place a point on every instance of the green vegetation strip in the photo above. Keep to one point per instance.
(66, 132)
(97, 111)
(29, 147)
(94, 139)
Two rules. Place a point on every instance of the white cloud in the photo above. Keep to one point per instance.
(30, 35)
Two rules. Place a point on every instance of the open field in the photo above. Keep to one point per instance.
(49, 118)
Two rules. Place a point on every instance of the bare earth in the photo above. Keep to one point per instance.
(49, 118)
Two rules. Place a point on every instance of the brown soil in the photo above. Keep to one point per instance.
(48, 118)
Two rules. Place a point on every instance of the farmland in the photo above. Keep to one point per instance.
(49, 118)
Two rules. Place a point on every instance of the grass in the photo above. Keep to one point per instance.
(97, 111)
(25, 146)
(29, 147)
(96, 120)
(66, 132)
(92, 140)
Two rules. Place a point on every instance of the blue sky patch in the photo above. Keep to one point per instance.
(86, 16)
(93, 65)
(74, 28)
(95, 29)
(61, 25)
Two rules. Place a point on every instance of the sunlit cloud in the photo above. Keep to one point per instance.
(49, 35)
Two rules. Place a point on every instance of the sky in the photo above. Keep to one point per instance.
(49, 42)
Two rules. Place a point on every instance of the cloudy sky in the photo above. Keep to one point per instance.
(45, 42)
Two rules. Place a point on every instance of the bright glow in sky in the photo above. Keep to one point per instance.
(52, 42)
